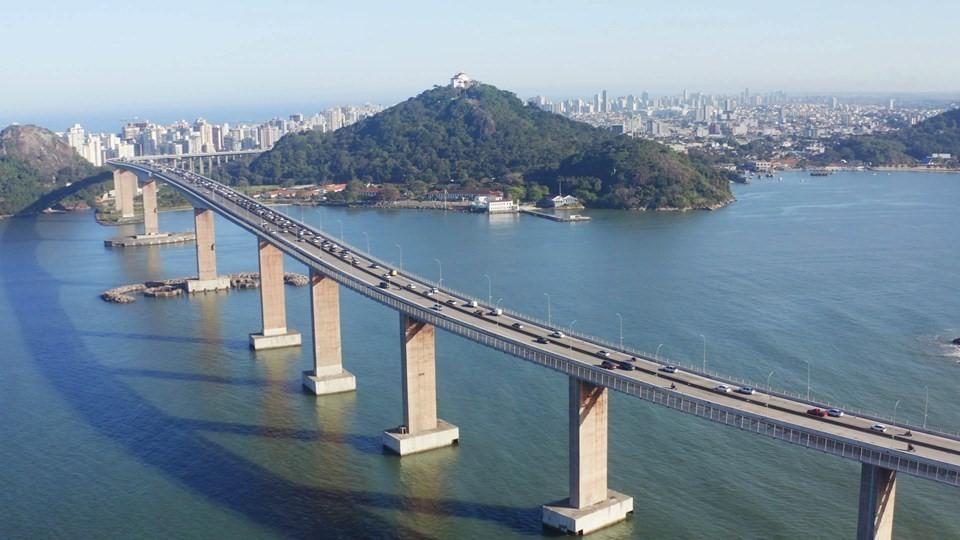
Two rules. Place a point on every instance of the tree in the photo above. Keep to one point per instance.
(417, 187)
(517, 193)
(389, 192)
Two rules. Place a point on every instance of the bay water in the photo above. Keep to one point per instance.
(154, 419)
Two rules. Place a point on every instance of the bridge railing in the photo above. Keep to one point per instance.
(688, 367)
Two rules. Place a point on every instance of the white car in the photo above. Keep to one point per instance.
(879, 428)
(670, 369)
(557, 334)
(723, 389)
(836, 413)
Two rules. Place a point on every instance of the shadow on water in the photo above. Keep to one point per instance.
(234, 344)
(99, 395)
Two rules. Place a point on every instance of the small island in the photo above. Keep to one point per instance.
(473, 137)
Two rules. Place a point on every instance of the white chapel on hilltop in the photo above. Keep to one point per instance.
(462, 80)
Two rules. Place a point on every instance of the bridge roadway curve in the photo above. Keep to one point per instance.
(935, 456)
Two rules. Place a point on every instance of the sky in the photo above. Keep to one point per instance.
(109, 61)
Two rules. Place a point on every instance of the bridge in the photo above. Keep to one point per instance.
(593, 367)
(196, 161)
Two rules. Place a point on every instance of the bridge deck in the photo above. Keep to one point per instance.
(936, 456)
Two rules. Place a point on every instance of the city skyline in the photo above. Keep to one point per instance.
(255, 57)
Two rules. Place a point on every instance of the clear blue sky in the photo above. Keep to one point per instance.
(64, 58)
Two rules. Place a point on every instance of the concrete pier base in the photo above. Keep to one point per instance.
(329, 384)
(150, 239)
(260, 342)
(614, 509)
(401, 442)
(221, 283)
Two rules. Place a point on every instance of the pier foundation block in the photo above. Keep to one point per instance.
(221, 283)
(260, 342)
(561, 516)
(400, 441)
(335, 383)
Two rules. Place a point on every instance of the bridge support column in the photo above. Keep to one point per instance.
(151, 219)
(125, 189)
(878, 495)
(327, 375)
(207, 278)
(118, 189)
(272, 303)
(421, 429)
(591, 505)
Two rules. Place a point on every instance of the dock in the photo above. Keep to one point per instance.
(555, 217)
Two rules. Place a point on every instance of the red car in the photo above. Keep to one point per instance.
(607, 364)
(817, 412)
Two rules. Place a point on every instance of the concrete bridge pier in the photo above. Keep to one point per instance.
(421, 429)
(207, 278)
(124, 189)
(591, 505)
(327, 375)
(151, 217)
(878, 496)
(273, 303)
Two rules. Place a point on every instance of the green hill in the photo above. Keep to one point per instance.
(488, 136)
(936, 135)
(34, 162)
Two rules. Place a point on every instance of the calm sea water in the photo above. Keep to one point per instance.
(155, 420)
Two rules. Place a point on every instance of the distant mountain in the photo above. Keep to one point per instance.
(937, 135)
(33, 162)
(481, 134)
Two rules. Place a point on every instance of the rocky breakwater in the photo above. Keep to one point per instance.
(168, 288)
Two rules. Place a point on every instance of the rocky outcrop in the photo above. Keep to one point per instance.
(41, 149)
(177, 286)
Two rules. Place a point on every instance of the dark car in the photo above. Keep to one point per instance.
(384, 285)
(517, 325)
(542, 339)
(626, 366)
(817, 411)
(607, 364)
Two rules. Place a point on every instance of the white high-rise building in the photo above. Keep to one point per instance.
(75, 137)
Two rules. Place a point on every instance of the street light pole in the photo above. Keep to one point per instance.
(808, 379)
(704, 353)
(367, 236)
(441, 269)
(401, 256)
(570, 329)
(768, 387)
(489, 289)
(656, 355)
(926, 401)
(549, 316)
(341, 230)
(895, 405)
(619, 316)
